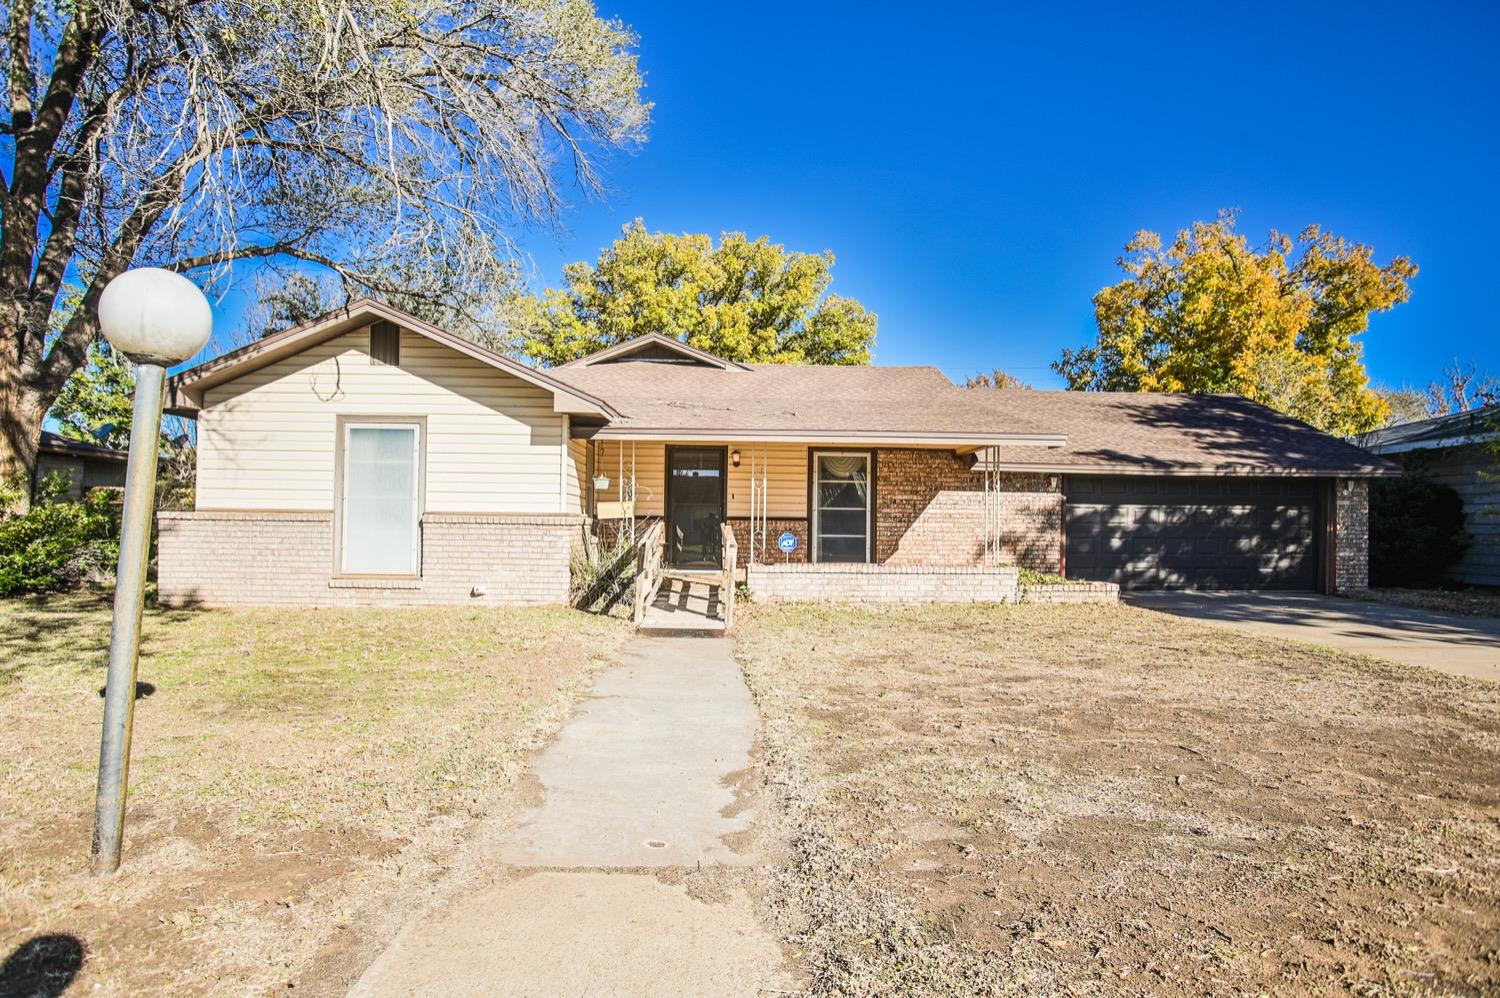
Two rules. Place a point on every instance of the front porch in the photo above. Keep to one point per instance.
(824, 504)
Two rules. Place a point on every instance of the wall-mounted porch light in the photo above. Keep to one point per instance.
(734, 458)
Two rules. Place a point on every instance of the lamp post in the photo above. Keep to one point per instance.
(155, 318)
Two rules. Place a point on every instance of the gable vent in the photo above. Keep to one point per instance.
(385, 343)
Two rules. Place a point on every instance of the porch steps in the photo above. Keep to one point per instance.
(686, 606)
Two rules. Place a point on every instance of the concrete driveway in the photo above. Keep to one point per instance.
(1460, 646)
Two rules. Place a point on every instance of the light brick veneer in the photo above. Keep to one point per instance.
(930, 510)
(1352, 534)
(267, 558)
(1072, 592)
(864, 583)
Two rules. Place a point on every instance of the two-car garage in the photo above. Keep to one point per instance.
(1181, 532)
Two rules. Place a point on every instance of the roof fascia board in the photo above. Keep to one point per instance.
(189, 385)
(1192, 471)
(836, 436)
(1434, 444)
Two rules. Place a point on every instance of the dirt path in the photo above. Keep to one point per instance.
(630, 876)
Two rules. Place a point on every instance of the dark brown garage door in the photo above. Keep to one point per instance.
(1193, 533)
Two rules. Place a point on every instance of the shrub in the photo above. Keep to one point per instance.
(1416, 531)
(603, 574)
(58, 545)
(1031, 577)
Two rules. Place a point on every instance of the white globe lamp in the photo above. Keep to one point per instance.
(156, 318)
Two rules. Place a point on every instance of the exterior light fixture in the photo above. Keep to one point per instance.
(155, 318)
(734, 458)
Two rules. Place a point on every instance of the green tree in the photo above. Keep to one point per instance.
(1275, 323)
(382, 140)
(747, 300)
(95, 405)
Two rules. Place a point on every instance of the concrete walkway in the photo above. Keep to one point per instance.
(592, 893)
(1460, 646)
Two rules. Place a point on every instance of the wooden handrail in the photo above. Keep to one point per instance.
(649, 559)
(727, 588)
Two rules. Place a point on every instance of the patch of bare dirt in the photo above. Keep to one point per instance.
(1081, 799)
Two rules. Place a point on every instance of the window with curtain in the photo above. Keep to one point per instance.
(380, 500)
(841, 515)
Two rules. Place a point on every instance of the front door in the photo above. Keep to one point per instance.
(695, 505)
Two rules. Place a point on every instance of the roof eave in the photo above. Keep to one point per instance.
(1195, 470)
(891, 437)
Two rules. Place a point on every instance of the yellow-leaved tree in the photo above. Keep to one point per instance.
(749, 300)
(1275, 323)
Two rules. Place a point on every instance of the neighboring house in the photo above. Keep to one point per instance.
(85, 466)
(1461, 450)
(368, 457)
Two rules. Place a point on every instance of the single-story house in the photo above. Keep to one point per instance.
(369, 457)
(1461, 450)
(84, 465)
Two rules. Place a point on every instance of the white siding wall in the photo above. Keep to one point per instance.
(786, 481)
(266, 440)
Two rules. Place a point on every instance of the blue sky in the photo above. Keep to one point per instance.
(977, 171)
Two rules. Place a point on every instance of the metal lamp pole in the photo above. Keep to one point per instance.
(156, 318)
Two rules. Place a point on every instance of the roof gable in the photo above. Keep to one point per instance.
(654, 348)
(185, 390)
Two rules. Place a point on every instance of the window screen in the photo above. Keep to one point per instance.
(380, 499)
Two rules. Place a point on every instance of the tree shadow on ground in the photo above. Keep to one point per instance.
(41, 967)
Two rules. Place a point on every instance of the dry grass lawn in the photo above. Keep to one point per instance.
(1102, 800)
(290, 769)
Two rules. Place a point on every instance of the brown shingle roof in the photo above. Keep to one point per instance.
(787, 400)
(1148, 433)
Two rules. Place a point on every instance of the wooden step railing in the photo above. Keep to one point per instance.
(726, 588)
(650, 553)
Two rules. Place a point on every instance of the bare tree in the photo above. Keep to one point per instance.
(1461, 388)
(282, 301)
(995, 379)
(393, 143)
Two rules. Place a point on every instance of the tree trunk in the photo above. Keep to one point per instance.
(22, 410)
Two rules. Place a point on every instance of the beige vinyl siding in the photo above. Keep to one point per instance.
(649, 462)
(494, 445)
(786, 481)
(577, 459)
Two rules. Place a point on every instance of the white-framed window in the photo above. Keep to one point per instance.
(841, 506)
(381, 497)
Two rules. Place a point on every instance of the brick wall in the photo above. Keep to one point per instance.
(882, 583)
(1072, 592)
(261, 558)
(930, 510)
(1351, 567)
(774, 529)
